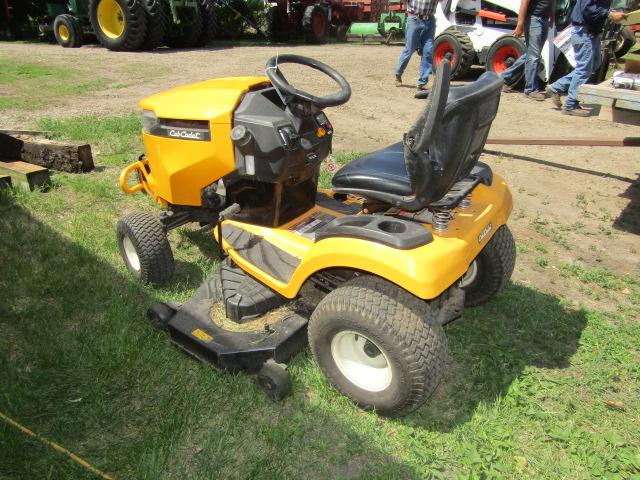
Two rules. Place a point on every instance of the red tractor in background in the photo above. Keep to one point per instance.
(315, 19)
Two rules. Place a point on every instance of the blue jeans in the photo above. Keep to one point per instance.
(535, 34)
(588, 57)
(418, 35)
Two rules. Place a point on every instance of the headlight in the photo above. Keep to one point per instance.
(149, 121)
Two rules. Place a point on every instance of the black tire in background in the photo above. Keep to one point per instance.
(144, 247)
(157, 17)
(454, 44)
(189, 34)
(503, 53)
(209, 24)
(491, 269)
(68, 31)
(274, 28)
(393, 338)
(626, 39)
(315, 24)
(135, 25)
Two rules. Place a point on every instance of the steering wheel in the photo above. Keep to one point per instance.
(292, 93)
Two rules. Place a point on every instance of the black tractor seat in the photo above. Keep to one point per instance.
(440, 150)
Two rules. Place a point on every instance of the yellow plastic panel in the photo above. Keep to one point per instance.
(213, 100)
(180, 169)
(424, 271)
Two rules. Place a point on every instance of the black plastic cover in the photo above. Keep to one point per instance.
(391, 231)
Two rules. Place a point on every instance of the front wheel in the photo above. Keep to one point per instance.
(144, 247)
(491, 269)
(379, 345)
(67, 31)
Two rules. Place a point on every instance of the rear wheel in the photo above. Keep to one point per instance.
(189, 35)
(379, 345)
(274, 31)
(455, 46)
(67, 31)
(118, 24)
(504, 53)
(207, 11)
(626, 39)
(157, 18)
(492, 268)
(144, 247)
(314, 24)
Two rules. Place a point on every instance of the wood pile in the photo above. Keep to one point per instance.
(25, 158)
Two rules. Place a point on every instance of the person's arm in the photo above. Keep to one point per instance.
(522, 15)
(617, 17)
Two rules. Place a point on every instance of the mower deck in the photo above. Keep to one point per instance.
(193, 329)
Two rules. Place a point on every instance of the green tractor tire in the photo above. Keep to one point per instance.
(209, 24)
(187, 34)
(158, 16)
(119, 25)
(67, 31)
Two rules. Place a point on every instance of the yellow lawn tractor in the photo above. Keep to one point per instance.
(407, 236)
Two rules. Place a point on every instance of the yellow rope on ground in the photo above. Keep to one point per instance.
(57, 447)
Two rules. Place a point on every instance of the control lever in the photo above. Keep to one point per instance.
(223, 215)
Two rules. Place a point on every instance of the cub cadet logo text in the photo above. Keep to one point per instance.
(185, 134)
(484, 232)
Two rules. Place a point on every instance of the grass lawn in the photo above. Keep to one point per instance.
(524, 394)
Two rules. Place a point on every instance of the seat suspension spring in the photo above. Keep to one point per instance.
(441, 219)
(465, 202)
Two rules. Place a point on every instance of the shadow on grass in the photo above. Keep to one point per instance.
(492, 346)
(80, 366)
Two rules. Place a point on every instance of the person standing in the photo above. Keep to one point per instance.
(587, 18)
(534, 19)
(419, 33)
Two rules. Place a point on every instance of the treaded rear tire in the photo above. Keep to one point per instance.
(76, 36)
(188, 35)
(464, 52)
(145, 232)
(209, 23)
(495, 265)
(311, 34)
(399, 325)
(135, 28)
(157, 18)
(626, 39)
(274, 30)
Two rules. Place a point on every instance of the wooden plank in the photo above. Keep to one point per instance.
(68, 157)
(635, 106)
(25, 175)
(610, 92)
(596, 100)
(5, 181)
(570, 142)
(619, 115)
(23, 132)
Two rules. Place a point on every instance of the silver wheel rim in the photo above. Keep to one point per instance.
(131, 254)
(468, 278)
(352, 353)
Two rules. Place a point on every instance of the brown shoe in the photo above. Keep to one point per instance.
(537, 96)
(398, 81)
(554, 96)
(509, 89)
(423, 88)
(577, 112)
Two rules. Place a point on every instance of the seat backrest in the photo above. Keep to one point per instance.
(445, 143)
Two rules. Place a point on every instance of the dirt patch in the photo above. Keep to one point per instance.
(571, 204)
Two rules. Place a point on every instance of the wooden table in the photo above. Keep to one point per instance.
(618, 104)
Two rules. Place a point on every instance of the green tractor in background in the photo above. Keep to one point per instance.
(128, 25)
